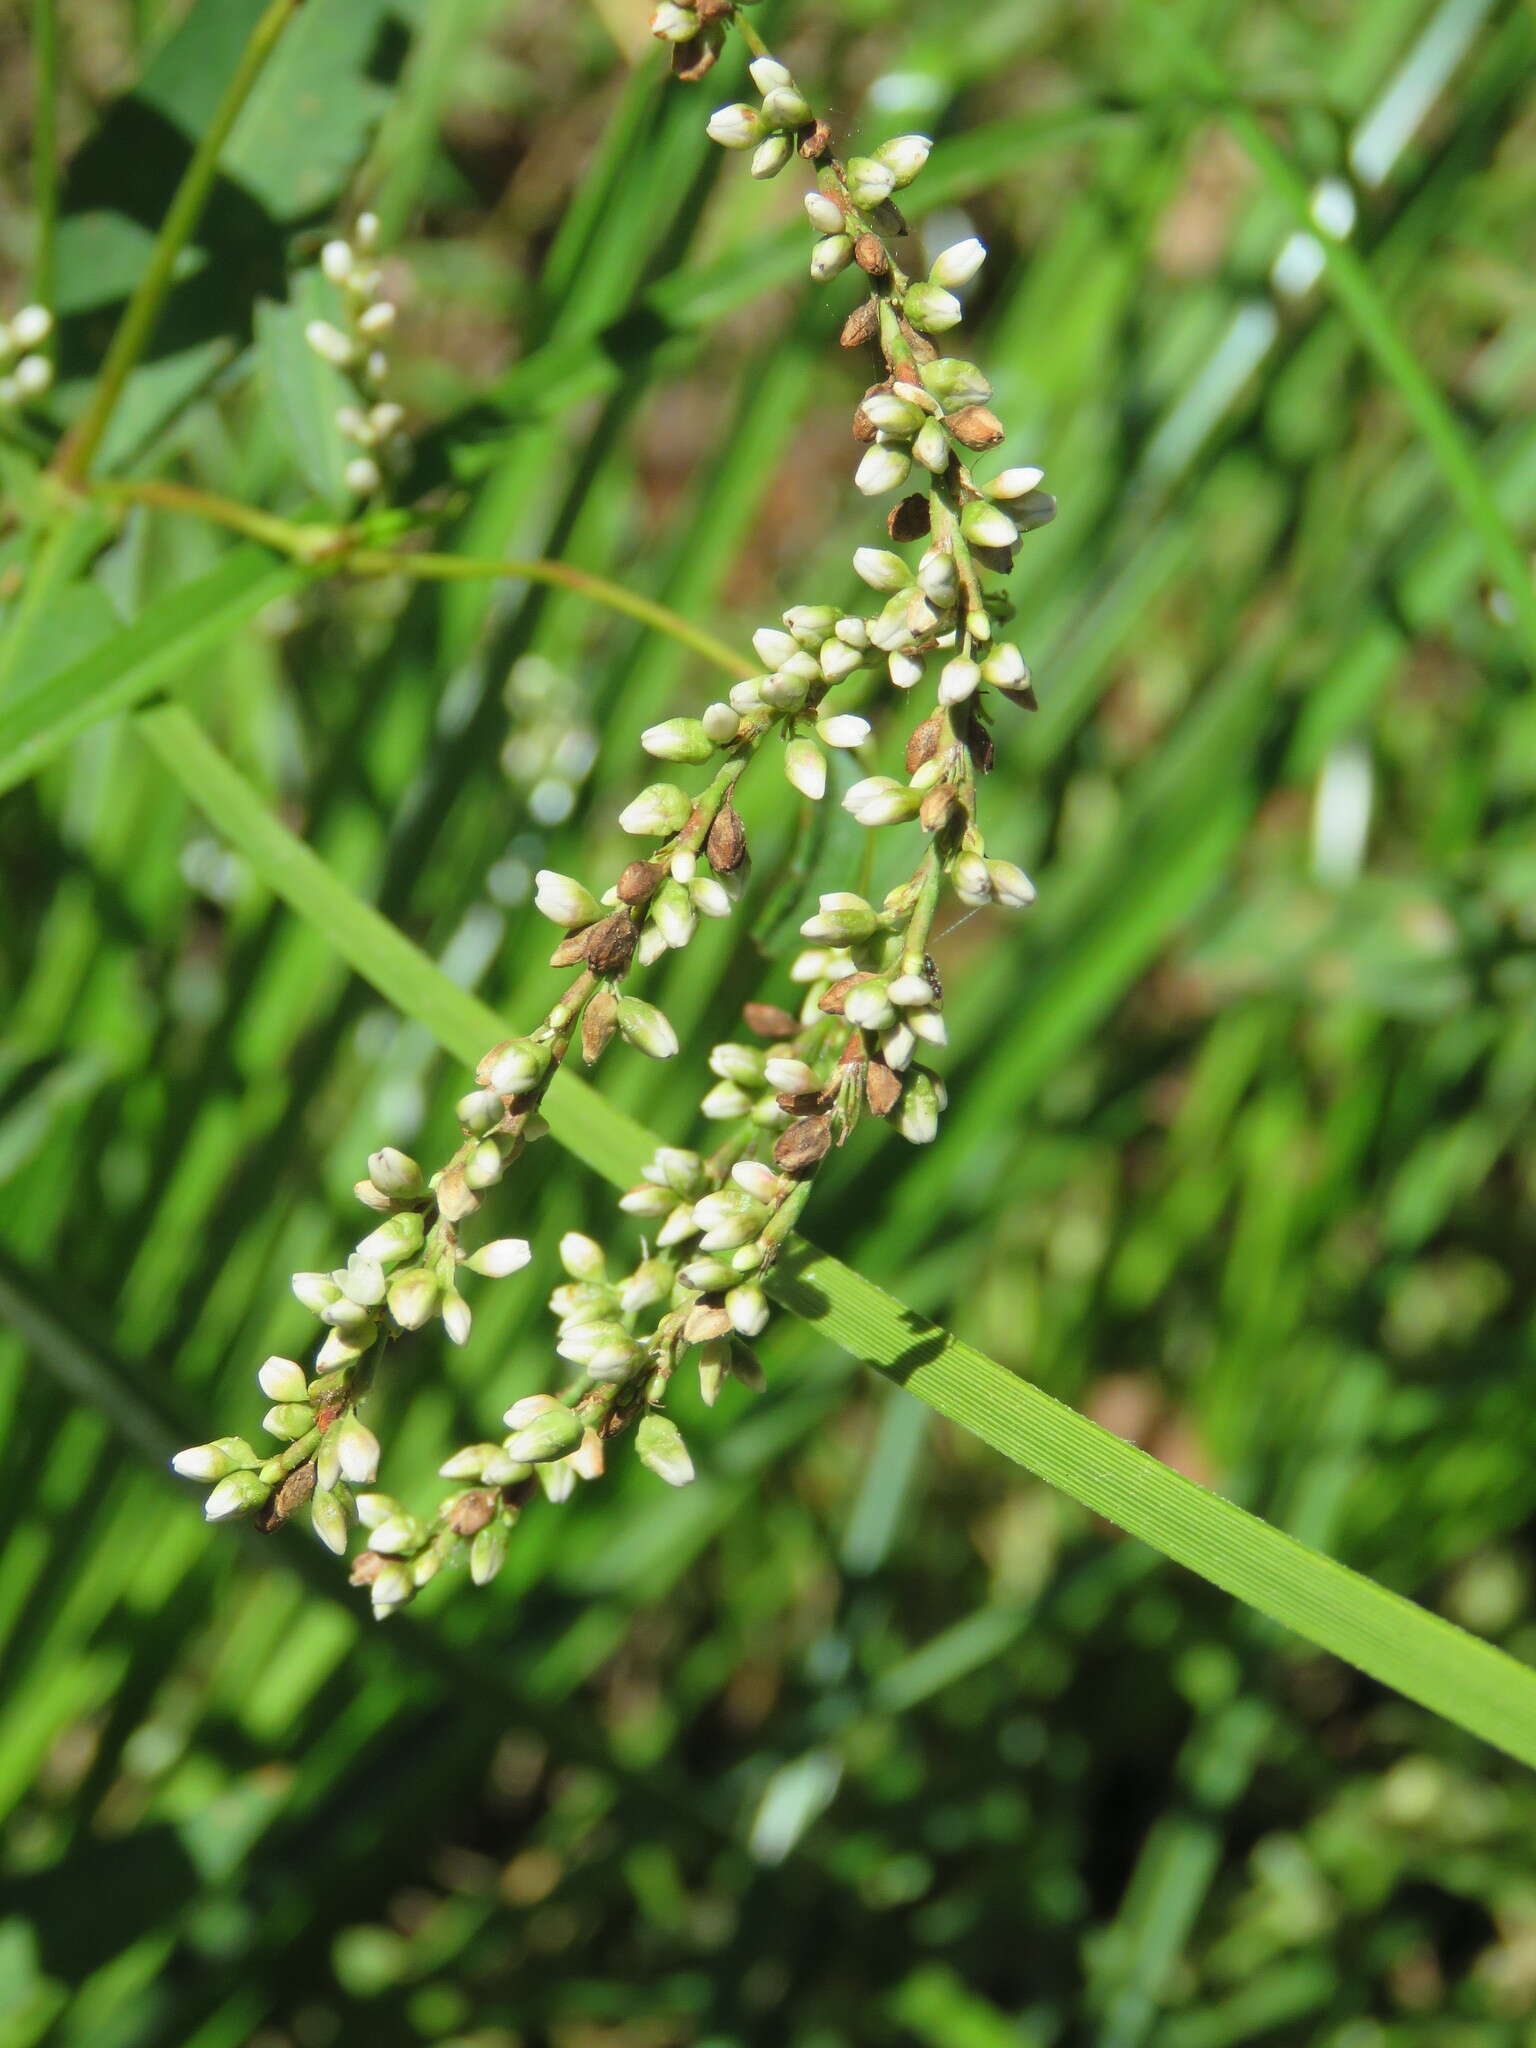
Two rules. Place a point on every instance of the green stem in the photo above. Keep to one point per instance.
(45, 150)
(137, 325)
(460, 568)
(330, 548)
(284, 536)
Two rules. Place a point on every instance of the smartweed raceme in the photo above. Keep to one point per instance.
(861, 1024)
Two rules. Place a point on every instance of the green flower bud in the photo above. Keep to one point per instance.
(954, 383)
(660, 1444)
(236, 1494)
(932, 309)
(216, 1460)
(553, 1434)
(413, 1297)
(660, 809)
(645, 1028)
(328, 1518)
(678, 739)
(869, 181)
(488, 1551)
(289, 1420)
(396, 1238)
(986, 525)
(394, 1173)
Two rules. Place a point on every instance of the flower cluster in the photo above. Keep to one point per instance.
(869, 1013)
(357, 344)
(25, 374)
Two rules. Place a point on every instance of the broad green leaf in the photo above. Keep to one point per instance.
(168, 635)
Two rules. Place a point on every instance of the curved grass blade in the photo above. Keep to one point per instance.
(1468, 1682)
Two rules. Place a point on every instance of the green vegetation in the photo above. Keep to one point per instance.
(863, 1734)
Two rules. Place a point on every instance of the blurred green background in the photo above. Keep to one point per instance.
(864, 1737)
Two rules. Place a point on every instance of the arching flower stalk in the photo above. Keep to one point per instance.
(871, 1008)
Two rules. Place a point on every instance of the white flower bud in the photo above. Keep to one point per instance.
(806, 767)
(770, 156)
(709, 897)
(553, 1433)
(881, 469)
(563, 900)
(757, 1180)
(958, 680)
(897, 1045)
(931, 308)
(735, 127)
(905, 155)
(672, 24)
(357, 1450)
(853, 632)
(396, 1238)
(916, 1117)
(457, 1317)
(911, 991)
(214, 1461)
(773, 647)
(743, 1063)
(958, 264)
(235, 1495)
(954, 382)
(1005, 667)
(517, 1066)
(839, 660)
(843, 729)
(987, 525)
(725, 1100)
(678, 739)
(931, 448)
(413, 1297)
(868, 1004)
(790, 1076)
(674, 1166)
(869, 181)
(786, 107)
(330, 343)
(32, 376)
(843, 919)
(658, 810)
(938, 578)
(747, 1307)
(282, 1379)
(646, 1201)
(824, 214)
(969, 878)
(905, 670)
(501, 1257)
(1014, 483)
(721, 723)
(879, 800)
(1010, 885)
(889, 414)
(661, 1448)
(30, 325)
(829, 256)
(646, 1029)
(377, 318)
(767, 74)
(673, 915)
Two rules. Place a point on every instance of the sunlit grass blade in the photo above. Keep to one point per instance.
(1427, 1659)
